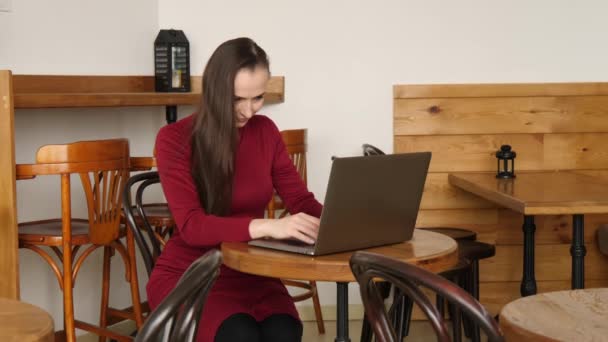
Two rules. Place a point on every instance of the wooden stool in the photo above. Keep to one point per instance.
(575, 315)
(21, 321)
(103, 167)
(295, 142)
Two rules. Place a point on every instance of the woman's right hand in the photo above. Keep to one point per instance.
(300, 226)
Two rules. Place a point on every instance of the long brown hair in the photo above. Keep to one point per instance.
(215, 135)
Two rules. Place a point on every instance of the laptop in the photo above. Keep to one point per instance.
(370, 201)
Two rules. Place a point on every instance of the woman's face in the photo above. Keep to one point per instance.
(249, 88)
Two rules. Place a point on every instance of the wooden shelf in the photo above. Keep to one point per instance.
(41, 91)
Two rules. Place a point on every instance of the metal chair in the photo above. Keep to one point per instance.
(368, 268)
(137, 218)
(177, 317)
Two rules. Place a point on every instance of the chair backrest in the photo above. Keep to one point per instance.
(295, 142)
(371, 150)
(368, 268)
(181, 310)
(103, 166)
(136, 217)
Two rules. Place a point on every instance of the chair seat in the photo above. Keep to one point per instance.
(457, 234)
(158, 215)
(48, 232)
(475, 250)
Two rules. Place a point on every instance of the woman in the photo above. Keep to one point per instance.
(218, 169)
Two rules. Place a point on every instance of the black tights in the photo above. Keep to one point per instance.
(244, 328)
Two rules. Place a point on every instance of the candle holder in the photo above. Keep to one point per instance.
(505, 162)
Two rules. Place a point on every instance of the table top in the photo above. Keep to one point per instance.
(432, 251)
(539, 193)
(21, 321)
(577, 315)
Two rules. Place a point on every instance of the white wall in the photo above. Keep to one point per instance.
(340, 59)
(76, 37)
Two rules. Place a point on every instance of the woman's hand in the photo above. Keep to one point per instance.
(300, 226)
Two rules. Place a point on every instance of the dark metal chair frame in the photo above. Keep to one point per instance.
(151, 248)
(177, 317)
(368, 268)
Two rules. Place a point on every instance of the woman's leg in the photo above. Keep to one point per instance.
(239, 328)
(281, 328)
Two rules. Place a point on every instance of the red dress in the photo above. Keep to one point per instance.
(261, 164)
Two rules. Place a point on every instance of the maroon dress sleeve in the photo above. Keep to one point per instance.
(288, 182)
(195, 227)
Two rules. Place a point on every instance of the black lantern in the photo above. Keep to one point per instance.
(505, 169)
(171, 61)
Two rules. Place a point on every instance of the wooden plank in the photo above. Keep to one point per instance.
(550, 229)
(83, 100)
(9, 268)
(37, 91)
(45, 84)
(494, 295)
(564, 151)
(453, 217)
(413, 91)
(499, 115)
(439, 194)
(506, 228)
(552, 262)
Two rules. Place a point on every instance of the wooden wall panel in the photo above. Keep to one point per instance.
(439, 194)
(501, 115)
(553, 262)
(455, 217)
(567, 151)
(551, 127)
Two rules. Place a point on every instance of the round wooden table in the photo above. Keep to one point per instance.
(577, 315)
(432, 251)
(24, 322)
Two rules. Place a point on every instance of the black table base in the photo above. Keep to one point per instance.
(577, 251)
(342, 313)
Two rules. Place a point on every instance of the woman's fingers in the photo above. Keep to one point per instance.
(303, 237)
(309, 218)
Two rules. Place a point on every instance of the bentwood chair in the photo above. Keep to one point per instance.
(410, 280)
(158, 214)
(137, 218)
(295, 142)
(177, 317)
(103, 167)
(466, 274)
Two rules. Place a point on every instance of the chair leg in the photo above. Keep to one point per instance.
(475, 293)
(317, 305)
(134, 281)
(68, 294)
(366, 331)
(456, 317)
(105, 290)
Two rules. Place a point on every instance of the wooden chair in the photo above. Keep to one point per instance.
(368, 268)
(181, 310)
(103, 167)
(295, 142)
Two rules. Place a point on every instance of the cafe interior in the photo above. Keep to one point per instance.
(509, 237)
